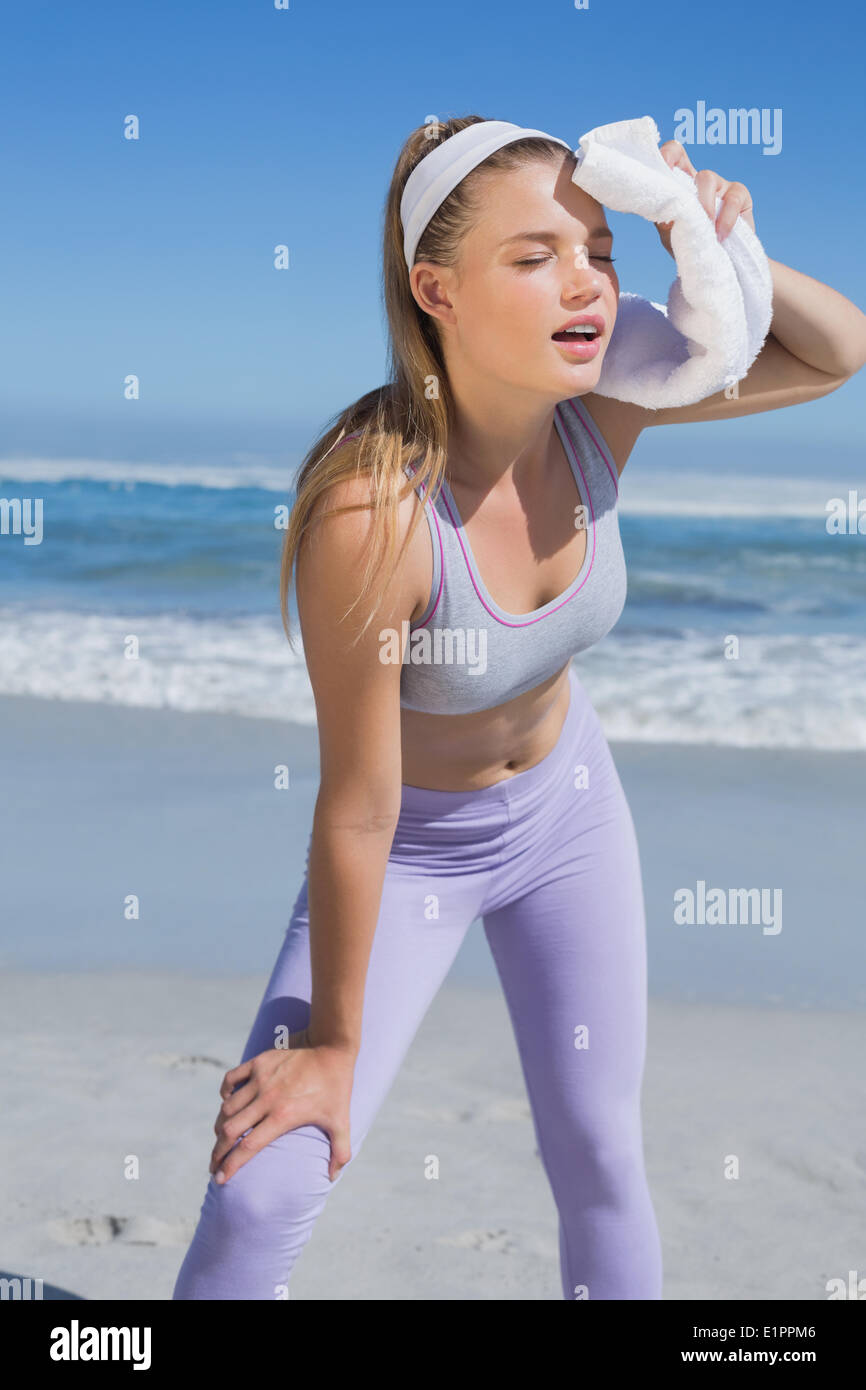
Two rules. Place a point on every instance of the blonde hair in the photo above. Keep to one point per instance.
(407, 420)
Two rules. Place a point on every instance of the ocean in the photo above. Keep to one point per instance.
(186, 561)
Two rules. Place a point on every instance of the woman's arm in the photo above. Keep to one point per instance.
(816, 342)
(817, 324)
(816, 338)
(358, 705)
(358, 712)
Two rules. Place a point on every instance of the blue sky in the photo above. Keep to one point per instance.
(262, 126)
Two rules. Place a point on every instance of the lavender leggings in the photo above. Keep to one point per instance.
(548, 858)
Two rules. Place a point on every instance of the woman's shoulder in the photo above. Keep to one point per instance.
(619, 423)
(352, 502)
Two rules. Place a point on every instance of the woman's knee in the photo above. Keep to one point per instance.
(606, 1156)
(281, 1187)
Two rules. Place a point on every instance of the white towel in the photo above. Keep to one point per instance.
(720, 306)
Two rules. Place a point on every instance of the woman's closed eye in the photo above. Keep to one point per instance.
(540, 260)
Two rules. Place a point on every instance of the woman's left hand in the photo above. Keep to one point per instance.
(736, 198)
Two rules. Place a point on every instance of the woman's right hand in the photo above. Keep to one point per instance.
(307, 1083)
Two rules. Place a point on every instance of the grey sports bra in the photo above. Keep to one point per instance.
(465, 653)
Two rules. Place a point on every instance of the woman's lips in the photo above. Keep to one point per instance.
(579, 349)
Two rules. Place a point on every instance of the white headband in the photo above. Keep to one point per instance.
(719, 308)
(442, 169)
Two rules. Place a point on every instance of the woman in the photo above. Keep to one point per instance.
(464, 772)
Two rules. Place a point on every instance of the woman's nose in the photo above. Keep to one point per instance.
(584, 287)
(582, 263)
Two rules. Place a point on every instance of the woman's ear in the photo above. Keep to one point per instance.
(432, 288)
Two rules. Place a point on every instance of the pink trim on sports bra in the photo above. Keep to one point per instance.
(486, 598)
(598, 440)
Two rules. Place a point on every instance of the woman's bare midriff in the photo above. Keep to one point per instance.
(464, 752)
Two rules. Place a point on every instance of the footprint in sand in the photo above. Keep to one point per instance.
(803, 1169)
(126, 1230)
(180, 1059)
(505, 1109)
(489, 1242)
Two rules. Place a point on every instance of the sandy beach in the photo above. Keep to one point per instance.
(103, 1066)
(117, 1031)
